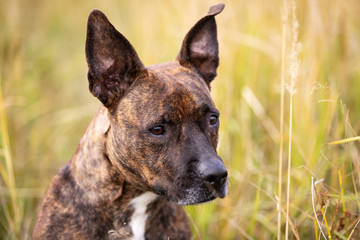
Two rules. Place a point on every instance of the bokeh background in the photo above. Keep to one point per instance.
(45, 107)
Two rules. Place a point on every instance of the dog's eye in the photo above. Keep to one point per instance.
(213, 120)
(157, 130)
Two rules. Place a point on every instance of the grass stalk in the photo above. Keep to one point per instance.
(352, 231)
(342, 191)
(342, 199)
(7, 172)
(326, 223)
(316, 229)
(289, 170)
(346, 140)
(354, 184)
(313, 206)
(282, 94)
(294, 72)
(256, 206)
(193, 223)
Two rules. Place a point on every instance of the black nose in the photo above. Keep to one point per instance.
(213, 173)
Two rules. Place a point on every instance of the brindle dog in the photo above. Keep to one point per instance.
(150, 149)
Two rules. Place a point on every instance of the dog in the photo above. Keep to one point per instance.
(150, 149)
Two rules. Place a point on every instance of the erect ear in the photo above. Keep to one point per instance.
(200, 50)
(112, 61)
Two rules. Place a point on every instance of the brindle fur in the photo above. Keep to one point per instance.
(118, 158)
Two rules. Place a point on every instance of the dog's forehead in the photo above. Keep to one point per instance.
(169, 91)
(177, 78)
(180, 85)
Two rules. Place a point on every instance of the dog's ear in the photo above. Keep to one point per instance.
(112, 61)
(200, 50)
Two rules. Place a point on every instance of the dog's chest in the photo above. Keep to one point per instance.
(138, 219)
(139, 216)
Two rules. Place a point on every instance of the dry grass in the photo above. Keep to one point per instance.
(45, 107)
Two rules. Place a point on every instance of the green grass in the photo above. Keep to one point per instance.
(45, 107)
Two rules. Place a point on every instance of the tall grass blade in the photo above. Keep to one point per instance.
(342, 199)
(7, 169)
(282, 97)
(313, 206)
(294, 72)
(352, 231)
(326, 224)
(346, 140)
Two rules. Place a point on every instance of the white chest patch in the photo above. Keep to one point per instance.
(138, 219)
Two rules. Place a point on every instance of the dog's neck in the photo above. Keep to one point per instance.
(104, 186)
(94, 172)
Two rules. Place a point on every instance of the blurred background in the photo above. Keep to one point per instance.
(45, 107)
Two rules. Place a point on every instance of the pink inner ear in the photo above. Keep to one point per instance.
(96, 90)
(107, 63)
(200, 48)
(112, 60)
(200, 45)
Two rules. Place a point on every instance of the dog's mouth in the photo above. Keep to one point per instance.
(202, 194)
(196, 193)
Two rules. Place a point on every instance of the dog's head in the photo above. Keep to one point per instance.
(164, 124)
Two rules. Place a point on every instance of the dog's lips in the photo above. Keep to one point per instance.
(205, 193)
(196, 191)
(209, 199)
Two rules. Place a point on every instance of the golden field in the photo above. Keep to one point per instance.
(45, 107)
